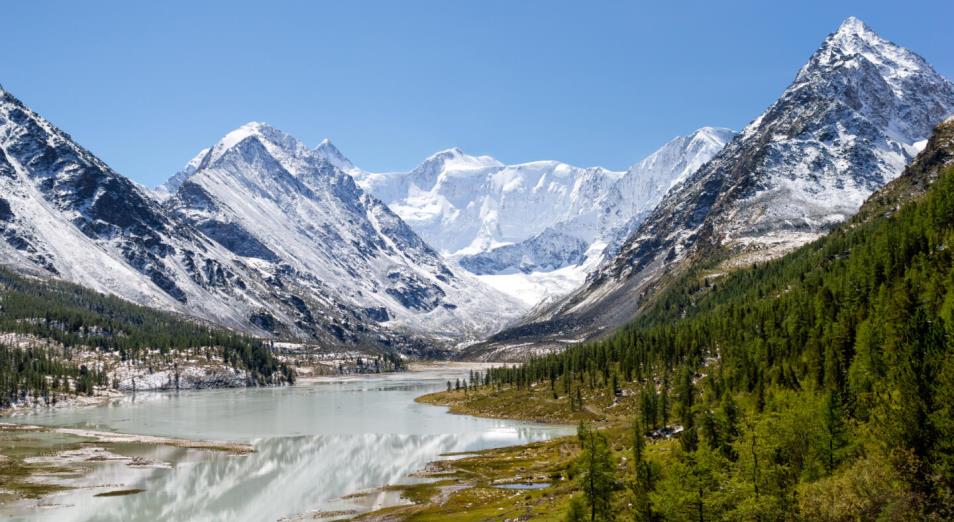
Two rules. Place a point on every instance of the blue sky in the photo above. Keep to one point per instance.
(146, 85)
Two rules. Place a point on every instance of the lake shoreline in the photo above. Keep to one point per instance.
(233, 448)
(104, 395)
(430, 437)
(35, 470)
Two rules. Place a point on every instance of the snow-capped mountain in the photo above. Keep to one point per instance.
(854, 116)
(331, 154)
(532, 230)
(462, 204)
(627, 201)
(68, 215)
(171, 185)
(290, 213)
(646, 182)
(330, 263)
(675, 160)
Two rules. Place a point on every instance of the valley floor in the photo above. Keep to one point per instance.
(40, 464)
(529, 482)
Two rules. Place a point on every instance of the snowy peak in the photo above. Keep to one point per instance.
(455, 159)
(854, 116)
(714, 137)
(270, 145)
(454, 162)
(289, 211)
(445, 155)
(853, 28)
(278, 143)
(857, 57)
(849, 122)
(854, 38)
(171, 185)
(678, 158)
(331, 154)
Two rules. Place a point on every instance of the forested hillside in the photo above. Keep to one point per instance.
(819, 385)
(57, 321)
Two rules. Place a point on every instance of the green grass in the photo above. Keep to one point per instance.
(466, 488)
(537, 404)
(16, 447)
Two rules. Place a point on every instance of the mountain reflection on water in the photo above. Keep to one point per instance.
(314, 444)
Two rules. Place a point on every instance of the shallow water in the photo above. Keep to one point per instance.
(529, 486)
(314, 444)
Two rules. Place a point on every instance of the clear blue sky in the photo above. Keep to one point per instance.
(146, 85)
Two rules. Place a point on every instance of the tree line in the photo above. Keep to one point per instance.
(73, 318)
(819, 385)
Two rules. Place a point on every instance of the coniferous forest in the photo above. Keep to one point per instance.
(817, 386)
(74, 318)
(486, 262)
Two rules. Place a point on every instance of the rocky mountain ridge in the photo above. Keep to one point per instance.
(855, 115)
(65, 214)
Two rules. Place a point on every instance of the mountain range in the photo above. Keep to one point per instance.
(532, 230)
(303, 224)
(266, 235)
(261, 235)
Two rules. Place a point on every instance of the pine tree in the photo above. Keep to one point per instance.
(642, 479)
(834, 431)
(597, 473)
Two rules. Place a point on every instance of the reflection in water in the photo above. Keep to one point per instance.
(363, 441)
(284, 476)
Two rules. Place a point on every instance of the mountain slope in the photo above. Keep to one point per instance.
(287, 212)
(465, 204)
(52, 330)
(844, 343)
(856, 113)
(937, 155)
(531, 230)
(65, 214)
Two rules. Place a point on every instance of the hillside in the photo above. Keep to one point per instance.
(856, 113)
(818, 384)
(59, 339)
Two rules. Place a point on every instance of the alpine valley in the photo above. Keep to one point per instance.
(751, 325)
(262, 234)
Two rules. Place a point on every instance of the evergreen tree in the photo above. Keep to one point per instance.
(643, 475)
(596, 473)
